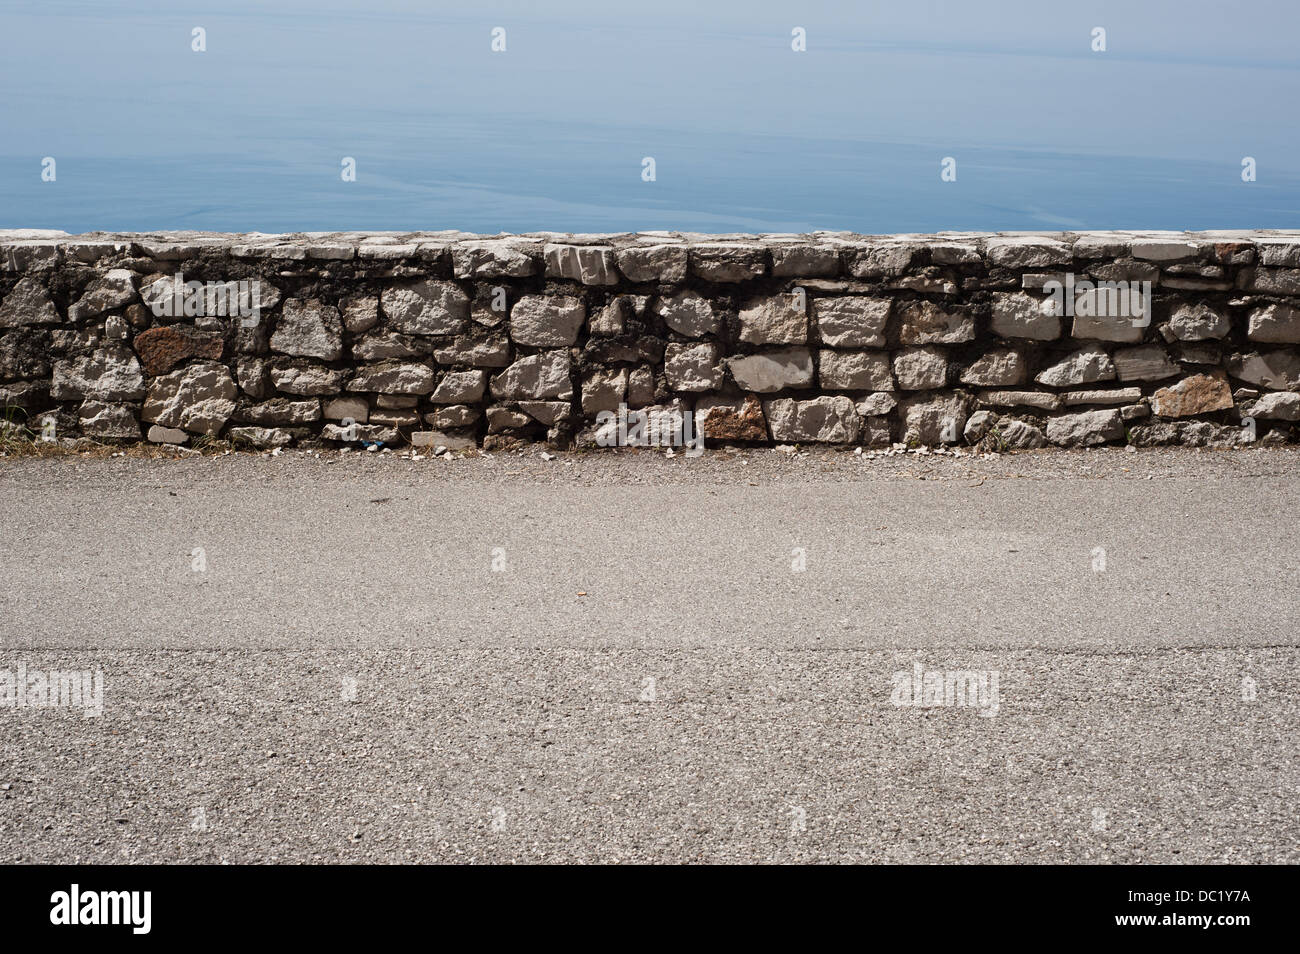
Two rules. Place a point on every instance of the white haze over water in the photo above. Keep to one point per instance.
(746, 134)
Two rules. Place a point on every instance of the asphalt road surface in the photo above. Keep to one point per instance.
(620, 657)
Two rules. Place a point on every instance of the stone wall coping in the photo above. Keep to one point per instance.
(452, 237)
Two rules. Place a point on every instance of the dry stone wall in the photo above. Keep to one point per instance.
(1006, 340)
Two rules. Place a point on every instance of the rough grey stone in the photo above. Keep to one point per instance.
(486, 315)
(23, 353)
(303, 377)
(506, 419)
(1272, 369)
(826, 419)
(873, 405)
(1144, 363)
(1019, 435)
(1125, 270)
(1164, 250)
(550, 413)
(1026, 252)
(1283, 405)
(611, 320)
(774, 320)
(1017, 315)
(933, 419)
(166, 435)
(1002, 368)
(1278, 252)
(535, 376)
(460, 387)
(1198, 322)
(954, 253)
(924, 322)
(394, 377)
(109, 374)
(1156, 434)
(114, 289)
(347, 408)
(727, 263)
(876, 432)
(852, 322)
(425, 308)
(688, 313)
(1043, 400)
(109, 421)
(1084, 366)
(1086, 428)
(692, 367)
(490, 260)
(383, 343)
(444, 439)
(253, 375)
(351, 433)
(1274, 324)
(28, 303)
(977, 425)
(1207, 434)
(855, 370)
(260, 437)
(455, 415)
(589, 264)
(360, 313)
(805, 261)
(547, 321)
(279, 411)
(921, 369)
(879, 261)
(640, 387)
(491, 352)
(1271, 281)
(199, 398)
(1106, 328)
(1116, 396)
(309, 329)
(654, 263)
(28, 396)
(1198, 352)
(37, 256)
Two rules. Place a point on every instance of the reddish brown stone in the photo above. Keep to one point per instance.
(1234, 253)
(735, 421)
(161, 349)
(1198, 394)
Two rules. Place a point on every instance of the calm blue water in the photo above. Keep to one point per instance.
(746, 134)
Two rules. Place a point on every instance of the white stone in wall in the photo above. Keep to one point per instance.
(773, 370)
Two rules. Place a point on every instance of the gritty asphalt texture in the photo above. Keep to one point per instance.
(646, 676)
